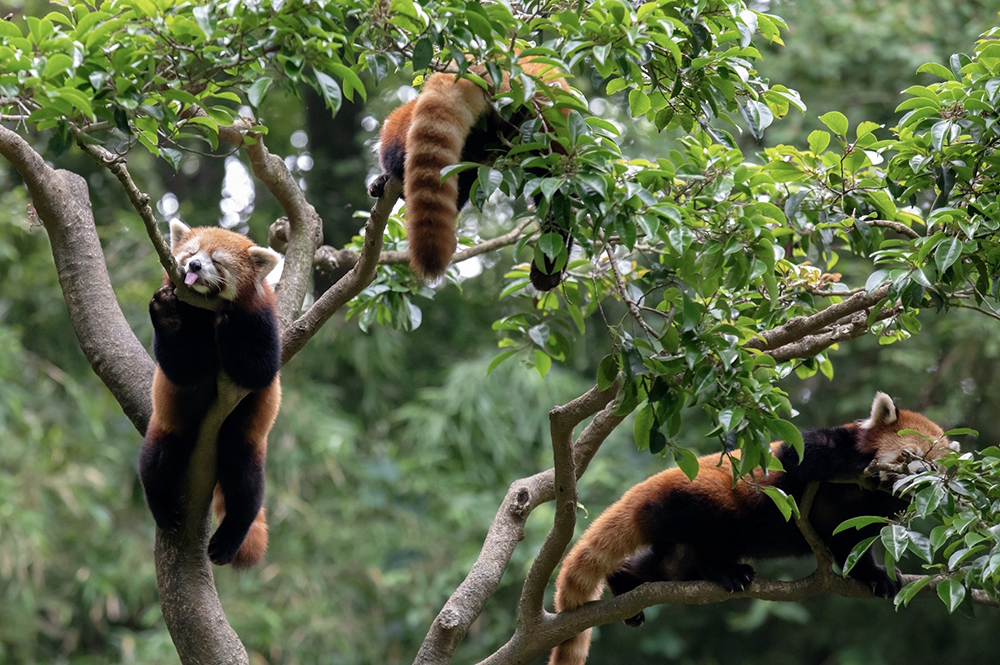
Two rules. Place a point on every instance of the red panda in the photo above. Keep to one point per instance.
(429, 133)
(671, 528)
(192, 345)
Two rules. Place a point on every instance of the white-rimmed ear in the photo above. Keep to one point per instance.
(264, 260)
(883, 411)
(178, 230)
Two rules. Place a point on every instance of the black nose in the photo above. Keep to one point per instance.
(194, 266)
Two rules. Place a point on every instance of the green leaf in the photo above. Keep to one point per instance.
(818, 140)
(858, 523)
(638, 102)
(499, 359)
(607, 371)
(947, 253)
(543, 363)
(895, 538)
(644, 421)
(836, 121)
(856, 553)
(907, 593)
(423, 52)
(951, 592)
(615, 85)
(687, 461)
(551, 245)
(351, 81)
(937, 70)
(730, 418)
(330, 90)
(789, 433)
(257, 91)
(783, 502)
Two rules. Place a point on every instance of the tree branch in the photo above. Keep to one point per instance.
(800, 326)
(507, 529)
(328, 258)
(809, 346)
(898, 227)
(62, 201)
(190, 602)
(306, 227)
(361, 275)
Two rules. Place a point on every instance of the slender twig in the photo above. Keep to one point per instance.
(898, 227)
(632, 306)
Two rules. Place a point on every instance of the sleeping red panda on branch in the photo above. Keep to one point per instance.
(670, 528)
(439, 128)
(192, 345)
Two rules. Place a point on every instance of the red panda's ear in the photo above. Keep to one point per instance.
(178, 230)
(264, 260)
(883, 411)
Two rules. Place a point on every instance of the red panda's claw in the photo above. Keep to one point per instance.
(377, 187)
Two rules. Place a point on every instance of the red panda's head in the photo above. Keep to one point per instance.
(882, 435)
(217, 262)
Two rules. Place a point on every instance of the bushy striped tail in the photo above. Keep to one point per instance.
(251, 551)
(600, 551)
(445, 113)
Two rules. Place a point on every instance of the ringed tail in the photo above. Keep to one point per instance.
(254, 545)
(445, 113)
(612, 537)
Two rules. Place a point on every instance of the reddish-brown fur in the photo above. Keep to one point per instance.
(432, 131)
(246, 331)
(624, 528)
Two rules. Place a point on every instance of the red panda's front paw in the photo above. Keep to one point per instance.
(163, 308)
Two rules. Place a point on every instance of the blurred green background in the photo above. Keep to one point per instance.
(393, 450)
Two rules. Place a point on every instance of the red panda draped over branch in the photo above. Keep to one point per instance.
(670, 528)
(441, 127)
(192, 345)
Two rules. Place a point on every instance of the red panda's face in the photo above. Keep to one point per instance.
(217, 262)
(900, 437)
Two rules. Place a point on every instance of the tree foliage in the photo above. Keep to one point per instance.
(705, 275)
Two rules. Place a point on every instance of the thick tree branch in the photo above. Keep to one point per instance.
(507, 529)
(361, 275)
(807, 347)
(306, 227)
(800, 326)
(62, 201)
(191, 607)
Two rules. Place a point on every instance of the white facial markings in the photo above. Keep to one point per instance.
(208, 279)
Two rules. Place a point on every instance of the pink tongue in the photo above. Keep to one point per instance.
(190, 278)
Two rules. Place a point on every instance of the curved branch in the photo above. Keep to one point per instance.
(524, 495)
(361, 275)
(306, 227)
(62, 201)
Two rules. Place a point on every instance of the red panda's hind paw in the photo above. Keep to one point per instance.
(222, 551)
(377, 187)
